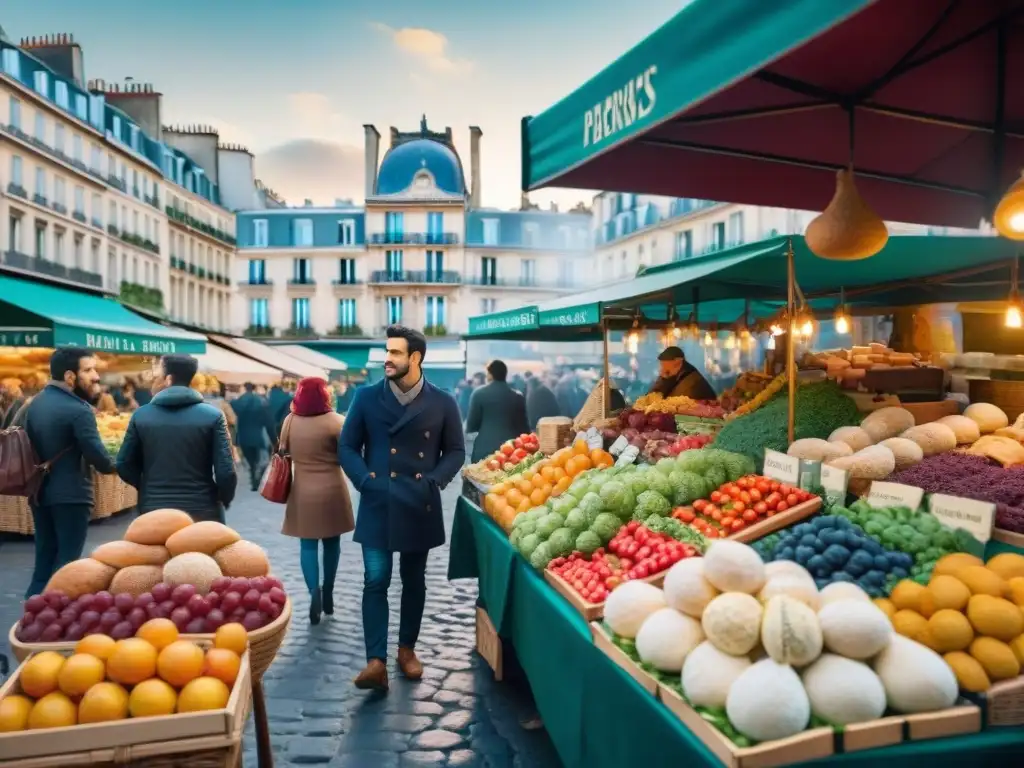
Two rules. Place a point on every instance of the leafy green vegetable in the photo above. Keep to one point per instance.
(576, 521)
(618, 499)
(541, 556)
(677, 530)
(528, 544)
(606, 526)
(651, 503)
(562, 541)
(821, 408)
(587, 542)
(549, 524)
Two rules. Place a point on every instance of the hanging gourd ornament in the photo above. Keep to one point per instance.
(847, 230)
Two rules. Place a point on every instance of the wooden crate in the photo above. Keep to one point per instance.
(814, 744)
(488, 643)
(604, 641)
(1004, 703)
(775, 523)
(957, 721)
(151, 738)
(883, 732)
(1009, 537)
(589, 611)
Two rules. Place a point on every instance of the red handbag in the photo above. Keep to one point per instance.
(276, 483)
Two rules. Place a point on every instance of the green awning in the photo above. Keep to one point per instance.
(707, 46)
(40, 315)
(501, 324)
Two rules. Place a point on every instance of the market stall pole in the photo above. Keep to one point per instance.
(607, 380)
(790, 346)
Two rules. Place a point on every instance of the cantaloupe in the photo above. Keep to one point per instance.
(206, 537)
(121, 554)
(790, 631)
(854, 628)
(732, 621)
(193, 568)
(242, 559)
(157, 526)
(82, 577)
(136, 579)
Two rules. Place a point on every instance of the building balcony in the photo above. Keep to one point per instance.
(60, 208)
(414, 238)
(346, 287)
(299, 332)
(140, 296)
(259, 332)
(182, 218)
(435, 330)
(389, 277)
(116, 182)
(57, 154)
(42, 200)
(17, 189)
(305, 287)
(682, 206)
(37, 266)
(79, 217)
(523, 283)
(353, 331)
(153, 201)
(140, 242)
(97, 223)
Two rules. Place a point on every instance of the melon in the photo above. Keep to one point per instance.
(82, 577)
(768, 702)
(136, 579)
(732, 622)
(686, 589)
(666, 638)
(734, 567)
(157, 526)
(709, 673)
(242, 559)
(915, 677)
(790, 632)
(122, 554)
(193, 568)
(206, 537)
(855, 628)
(843, 691)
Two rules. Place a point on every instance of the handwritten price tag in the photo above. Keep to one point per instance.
(835, 482)
(975, 517)
(779, 466)
(894, 495)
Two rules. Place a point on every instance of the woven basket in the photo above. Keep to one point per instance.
(1005, 703)
(263, 643)
(16, 516)
(593, 409)
(553, 433)
(112, 495)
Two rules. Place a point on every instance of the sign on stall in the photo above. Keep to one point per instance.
(595, 441)
(884, 494)
(976, 517)
(628, 456)
(835, 482)
(620, 444)
(779, 466)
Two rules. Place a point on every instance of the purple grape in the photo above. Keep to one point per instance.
(144, 599)
(153, 610)
(275, 611)
(27, 618)
(220, 584)
(278, 595)
(230, 601)
(196, 627)
(272, 582)
(122, 630)
(165, 609)
(161, 592)
(89, 619)
(237, 615)
(198, 606)
(250, 600)
(240, 585)
(253, 620)
(183, 593)
(214, 619)
(181, 617)
(266, 604)
(85, 602)
(54, 598)
(46, 616)
(110, 619)
(35, 604)
(124, 602)
(31, 633)
(103, 601)
(74, 631)
(259, 584)
(213, 599)
(137, 617)
(52, 633)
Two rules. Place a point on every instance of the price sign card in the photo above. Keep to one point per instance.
(618, 446)
(628, 456)
(894, 495)
(975, 517)
(594, 440)
(779, 466)
(835, 482)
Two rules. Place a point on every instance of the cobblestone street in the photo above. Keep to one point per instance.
(456, 716)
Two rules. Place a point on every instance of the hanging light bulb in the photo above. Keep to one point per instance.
(1009, 216)
(842, 323)
(708, 341)
(807, 328)
(1014, 316)
(730, 341)
(632, 342)
(1014, 308)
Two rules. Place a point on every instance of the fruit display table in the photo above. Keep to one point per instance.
(111, 494)
(594, 712)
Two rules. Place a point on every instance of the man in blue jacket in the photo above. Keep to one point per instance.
(61, 426)
(254, 427)
(176, 449)
(401, 444)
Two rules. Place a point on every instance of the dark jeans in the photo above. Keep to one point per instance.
(254, 459)
(60, 538)
(377, 567)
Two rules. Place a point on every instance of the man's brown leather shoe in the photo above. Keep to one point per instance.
(409, 664)
(374, 677)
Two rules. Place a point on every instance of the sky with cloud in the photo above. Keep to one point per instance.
(295, 82)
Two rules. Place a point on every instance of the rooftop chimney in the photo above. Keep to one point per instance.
(371, 154)
(475, 191)
(60, 53)
(140, 101)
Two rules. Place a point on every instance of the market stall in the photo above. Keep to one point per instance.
(334, 367)
(287, 365)
(234, 369)
(176, 623)
(35, 318)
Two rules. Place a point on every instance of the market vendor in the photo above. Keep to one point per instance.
(678, 378)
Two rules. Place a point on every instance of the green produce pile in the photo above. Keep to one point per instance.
(915, 532)
(598, 502)
(821, 408)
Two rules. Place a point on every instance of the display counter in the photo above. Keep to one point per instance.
(594, 712)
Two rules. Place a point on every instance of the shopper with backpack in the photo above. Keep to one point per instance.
(61, 428)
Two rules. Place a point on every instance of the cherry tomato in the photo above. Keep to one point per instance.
(764, 487)
(782, 507)
(663, 561)
(737, 525)
(698, 505)
(745, 497)
(727, 521)
(632, 525)
(760, 508)
(631, 550)
(739, 507)
(641, 571)
(687, 515)
(716, 497)
(643, 552)
(750, 515)
(717, 515)
(774, 485)
(792, 499)
(773, 499)
(755, 495)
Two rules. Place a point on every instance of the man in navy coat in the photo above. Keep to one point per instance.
(401, 444)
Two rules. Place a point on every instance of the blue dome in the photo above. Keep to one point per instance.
(401, 164)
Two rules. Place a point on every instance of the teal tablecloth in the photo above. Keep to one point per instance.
(596, 714)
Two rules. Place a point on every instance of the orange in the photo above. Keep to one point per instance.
(132, 661)
(203, 693)
(558, 473)
(489, 501)
(561, 486)
(529, 474)
(599, 455)
(233, 637)
(580, 448)
(80, 673)
(549, 473)
(102, 703)
(500, 489)
(100, 646)
(548, 488)
(524, 506)
(54, 710)
(583, 463)
(539, 481)
(500, 509)
(14, 712)
(538, 497)
(559, 458)
(604, 462)
(524, 486)
(151, 698)
(513, 497)
(222, 664)
(180, 662)
(158, 632)
(40, 674)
